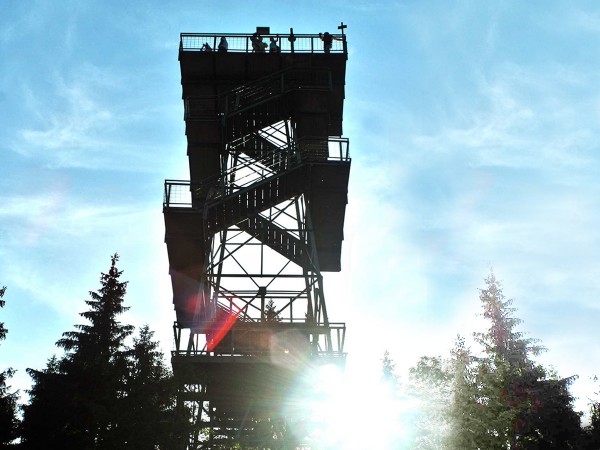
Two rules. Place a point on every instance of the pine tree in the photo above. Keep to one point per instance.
(430, 383)
(503, 399)
(388, 371)
(95, 361)
(464, 407)
(48, 417)
(8, 400)
(84, 389)
(148, 413)
(3, 330)
(591, 439)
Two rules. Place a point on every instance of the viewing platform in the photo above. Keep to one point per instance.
(242, 43)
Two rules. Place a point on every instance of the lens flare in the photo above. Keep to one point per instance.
(353, 413)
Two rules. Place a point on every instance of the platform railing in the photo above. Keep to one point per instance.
(242, 43)
(241, 331)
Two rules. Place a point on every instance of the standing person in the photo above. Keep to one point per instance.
(262, 46)
(327, 41)
(223, 45)
(273, 47)
(256, 40)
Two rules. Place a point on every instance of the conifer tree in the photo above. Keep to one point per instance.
(430, 383)
(95, 362)
(8, 400)
(102, 394)
(89, 378)
(148, 413)
(504, 399)
(48, 417)
(591, 439)
(388, 371)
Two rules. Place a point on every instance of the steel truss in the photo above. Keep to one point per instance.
(261, 302)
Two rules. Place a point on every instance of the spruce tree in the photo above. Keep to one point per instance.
(84, 390)
(430, 383)
(591, 440)
(503, 399)
(95, 361)
(48, 420)
(148, 413)
(8, 400)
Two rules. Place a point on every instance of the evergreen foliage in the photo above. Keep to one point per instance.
(9, 422)
(148, 407)
(592, 431)
(3, 330)
(48, 420)
(388, 372)
(499, 399)
(430, 384)
(101, 394)
(271, 314)
(504, 399)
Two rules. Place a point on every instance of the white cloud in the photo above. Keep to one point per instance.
(86, 121)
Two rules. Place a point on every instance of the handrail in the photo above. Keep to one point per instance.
(319, 354)
(256, 92)
(336, 330)
(270, 86)
(241, 42)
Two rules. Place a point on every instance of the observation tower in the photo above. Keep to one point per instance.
(250, 235)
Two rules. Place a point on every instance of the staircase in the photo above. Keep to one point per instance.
(254, 121)
(223, 212)
(276, 238)
(264, 102)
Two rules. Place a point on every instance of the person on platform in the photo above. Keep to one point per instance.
(327, 41)
(273, 47)
(223, 45)
(257, 42)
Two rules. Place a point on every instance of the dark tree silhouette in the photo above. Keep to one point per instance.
(102, 394)
(48, 420)
(3, 330)
(86, 385)
(8, 400)
(592, 431)
(148, 413)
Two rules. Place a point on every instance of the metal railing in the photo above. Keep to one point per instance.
(180, 193)
(243, 340)
(271, 86)
(242, 43)
(208, 108)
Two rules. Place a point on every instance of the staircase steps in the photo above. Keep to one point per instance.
(275, 237)
(262, 150)
(223, 212)
(274, 86)
(255, 119)
(255, 105)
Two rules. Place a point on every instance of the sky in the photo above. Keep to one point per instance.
(473, 132)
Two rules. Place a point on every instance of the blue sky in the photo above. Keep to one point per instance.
(474, 136)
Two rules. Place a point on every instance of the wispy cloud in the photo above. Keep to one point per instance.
(56, 231)
(83, 121)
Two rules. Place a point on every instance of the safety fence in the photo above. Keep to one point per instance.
(243, 43)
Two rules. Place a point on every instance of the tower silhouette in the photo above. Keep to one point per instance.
(251, 233)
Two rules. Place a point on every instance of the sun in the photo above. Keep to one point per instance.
(354, 412)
